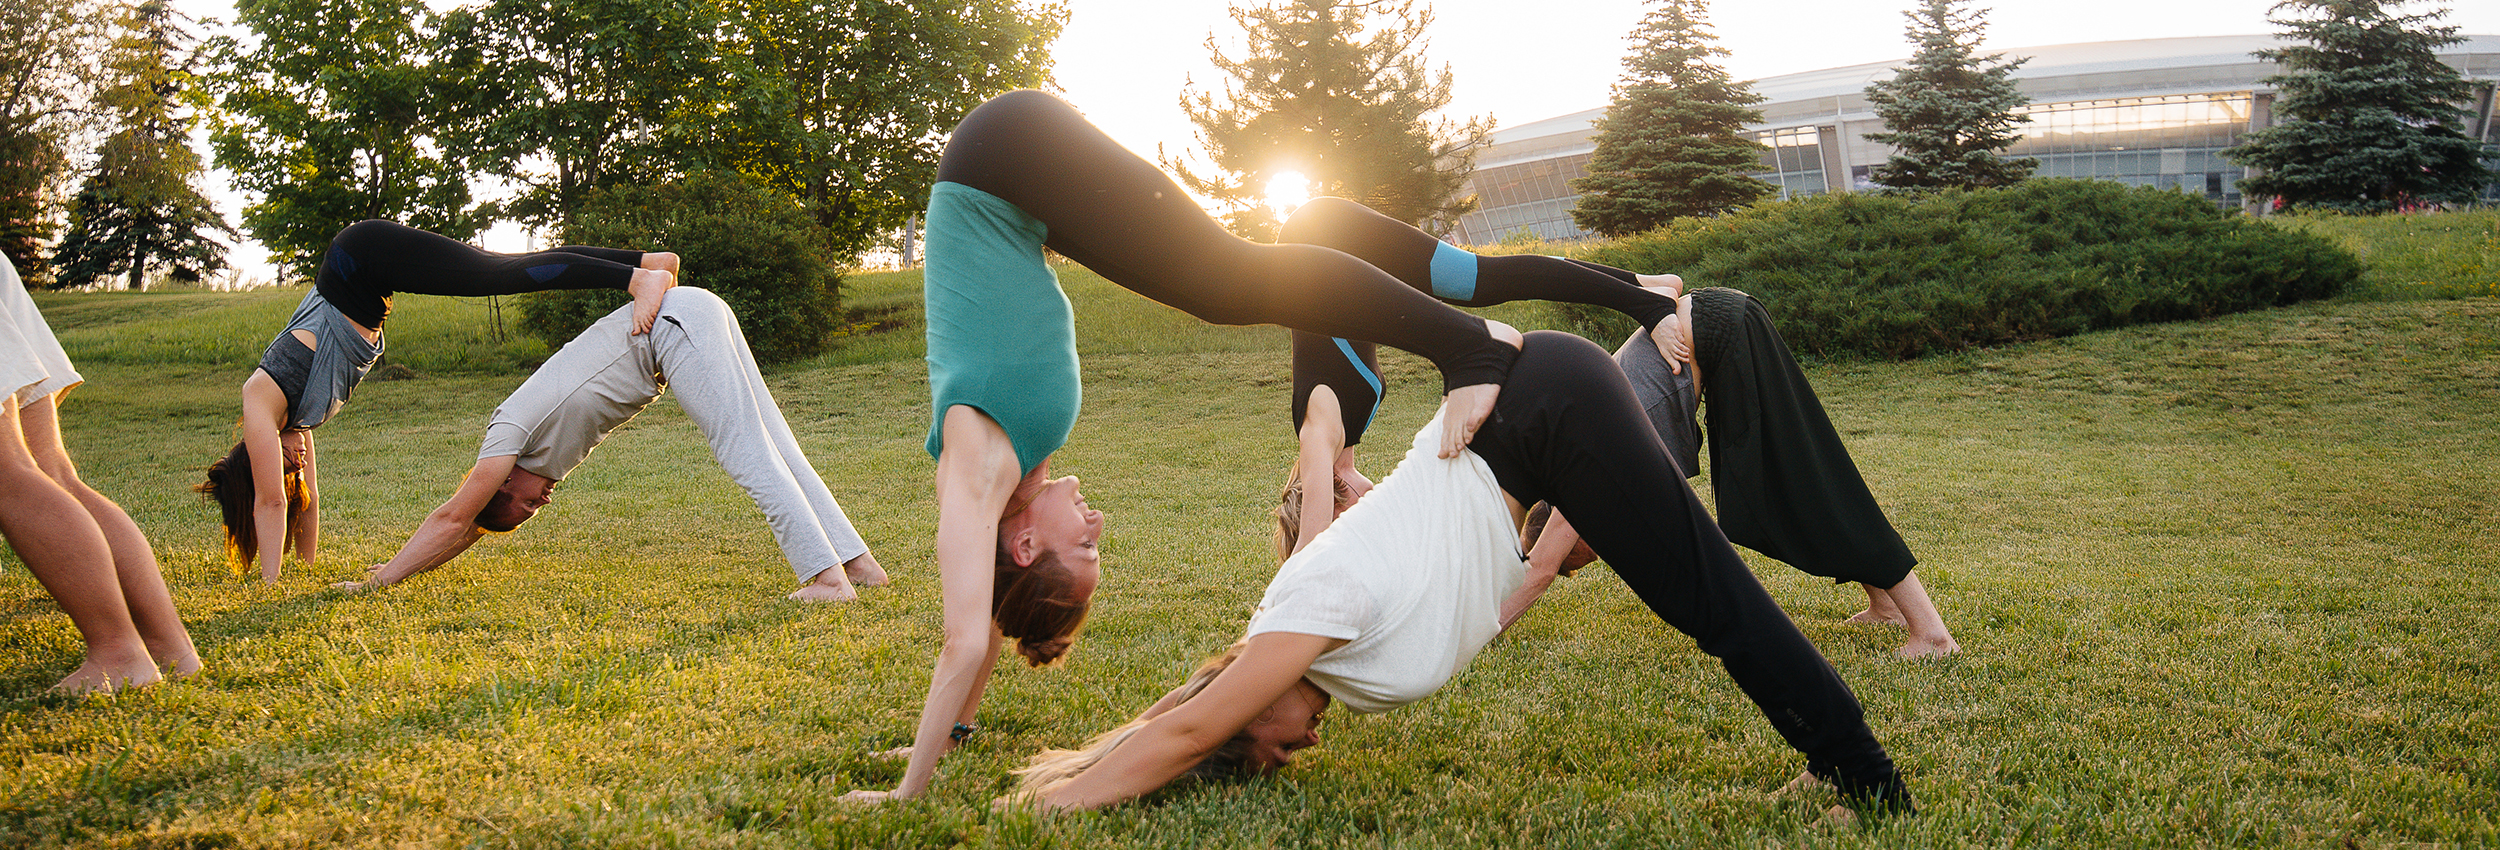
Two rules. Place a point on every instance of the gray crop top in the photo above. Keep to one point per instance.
(318, 380)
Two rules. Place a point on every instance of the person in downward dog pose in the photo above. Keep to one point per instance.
(1016, 549)
(1402, 591)
(267, 488)
(597, 383)
(83, 548)
(1336, 382)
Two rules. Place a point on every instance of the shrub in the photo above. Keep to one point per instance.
(1898, 276)
(755, 249)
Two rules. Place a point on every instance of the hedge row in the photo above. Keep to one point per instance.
(1898, 276)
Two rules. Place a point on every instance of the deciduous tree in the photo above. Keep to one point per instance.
(1673, 143)
(2366, 111)
(46, 54)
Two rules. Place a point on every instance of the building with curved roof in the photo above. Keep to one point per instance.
(2151, 112)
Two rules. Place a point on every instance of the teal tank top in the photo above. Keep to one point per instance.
(1001, 335)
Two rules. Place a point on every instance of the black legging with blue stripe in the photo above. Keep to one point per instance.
(370, 260)
(1351, 370)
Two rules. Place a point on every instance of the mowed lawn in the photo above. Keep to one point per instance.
(2229, 583)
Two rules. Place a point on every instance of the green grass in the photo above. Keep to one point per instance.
(2218, 584)
(2447, 255)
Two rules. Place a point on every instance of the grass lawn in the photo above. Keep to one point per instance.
(2230, 583)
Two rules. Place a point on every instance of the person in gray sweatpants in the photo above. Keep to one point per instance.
(593, 386)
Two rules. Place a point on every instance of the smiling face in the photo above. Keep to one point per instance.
(1291, 724)
(294, 446)
(1060, 523)
(520, 497)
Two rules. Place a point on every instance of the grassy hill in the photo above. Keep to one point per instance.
(2219, 584)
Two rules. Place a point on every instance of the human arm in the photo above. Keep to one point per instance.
(447, 532)
(264, 413)
(1178, 739)
(976, 476)
(1322, 440)
(1546, 559)
(308, 521)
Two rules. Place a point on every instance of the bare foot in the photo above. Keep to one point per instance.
(183, 668)
(1673, 284)
(101, 676)
(661, 261)
(1928, 646)
(1872, 617)
(864, 571)
(828, 586)
(648, 287)
(1806, 782)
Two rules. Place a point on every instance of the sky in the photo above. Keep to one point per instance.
(1125, 62)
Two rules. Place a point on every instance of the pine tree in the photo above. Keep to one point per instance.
(2366, 107)
(141, 209)
(1949, 111)
(1339, 92)
(1671, 144)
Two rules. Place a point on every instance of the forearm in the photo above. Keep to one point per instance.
(1539, 579)
(308, 530)
(1148, 760)
(955, 688)
(269, 528)
(436, 542)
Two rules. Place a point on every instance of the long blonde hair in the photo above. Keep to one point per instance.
(1050, 769)
(1289, 508)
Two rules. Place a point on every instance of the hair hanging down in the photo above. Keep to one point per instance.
(230, 485)
(1037, 605)
(1289, 509)
(1051, 768)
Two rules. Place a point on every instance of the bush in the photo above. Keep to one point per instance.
(1899, 276)
(755, 249)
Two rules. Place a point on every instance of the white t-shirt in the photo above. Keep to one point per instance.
(1412, 577)
(32, 364)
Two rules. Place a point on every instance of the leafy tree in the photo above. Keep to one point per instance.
(843, 104)
(337, 111)
(1949, 112)
(140, 210)
(1338, 91)
(1672, 142)
(2367, 109)
(752, 246)
(46, 50)
(569, 96)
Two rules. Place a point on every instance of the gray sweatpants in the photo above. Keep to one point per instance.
(704, 357)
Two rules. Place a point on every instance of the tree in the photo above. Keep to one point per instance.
(2366, 107)
(335, 112)
(46, 50)
(843, 104)
(1672, 142)
(1949, 111)
(140, 209)
(564, 97)
(1336, 90)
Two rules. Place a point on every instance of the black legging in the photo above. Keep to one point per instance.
(1350, 370)
(1125, 219)
(1567, 430)
(370, 260)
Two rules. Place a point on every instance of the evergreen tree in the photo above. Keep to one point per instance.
(46, 54)
(1672, 143)
(2365, 109)
(1338, 91)
(1949, 112)
(141, 210)
(339, 111)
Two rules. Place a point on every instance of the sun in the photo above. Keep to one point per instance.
(1288, 190)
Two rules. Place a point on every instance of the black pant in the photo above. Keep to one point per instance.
(1567, 430)
(1125, 219)
(370, 260)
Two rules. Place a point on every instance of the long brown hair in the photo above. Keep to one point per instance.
(230, 485)
(1051, 768)
(1037, 604)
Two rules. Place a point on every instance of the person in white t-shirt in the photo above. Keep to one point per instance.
(1402, 591)
(598, 382)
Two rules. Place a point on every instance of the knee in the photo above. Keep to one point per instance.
(1317, 219)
